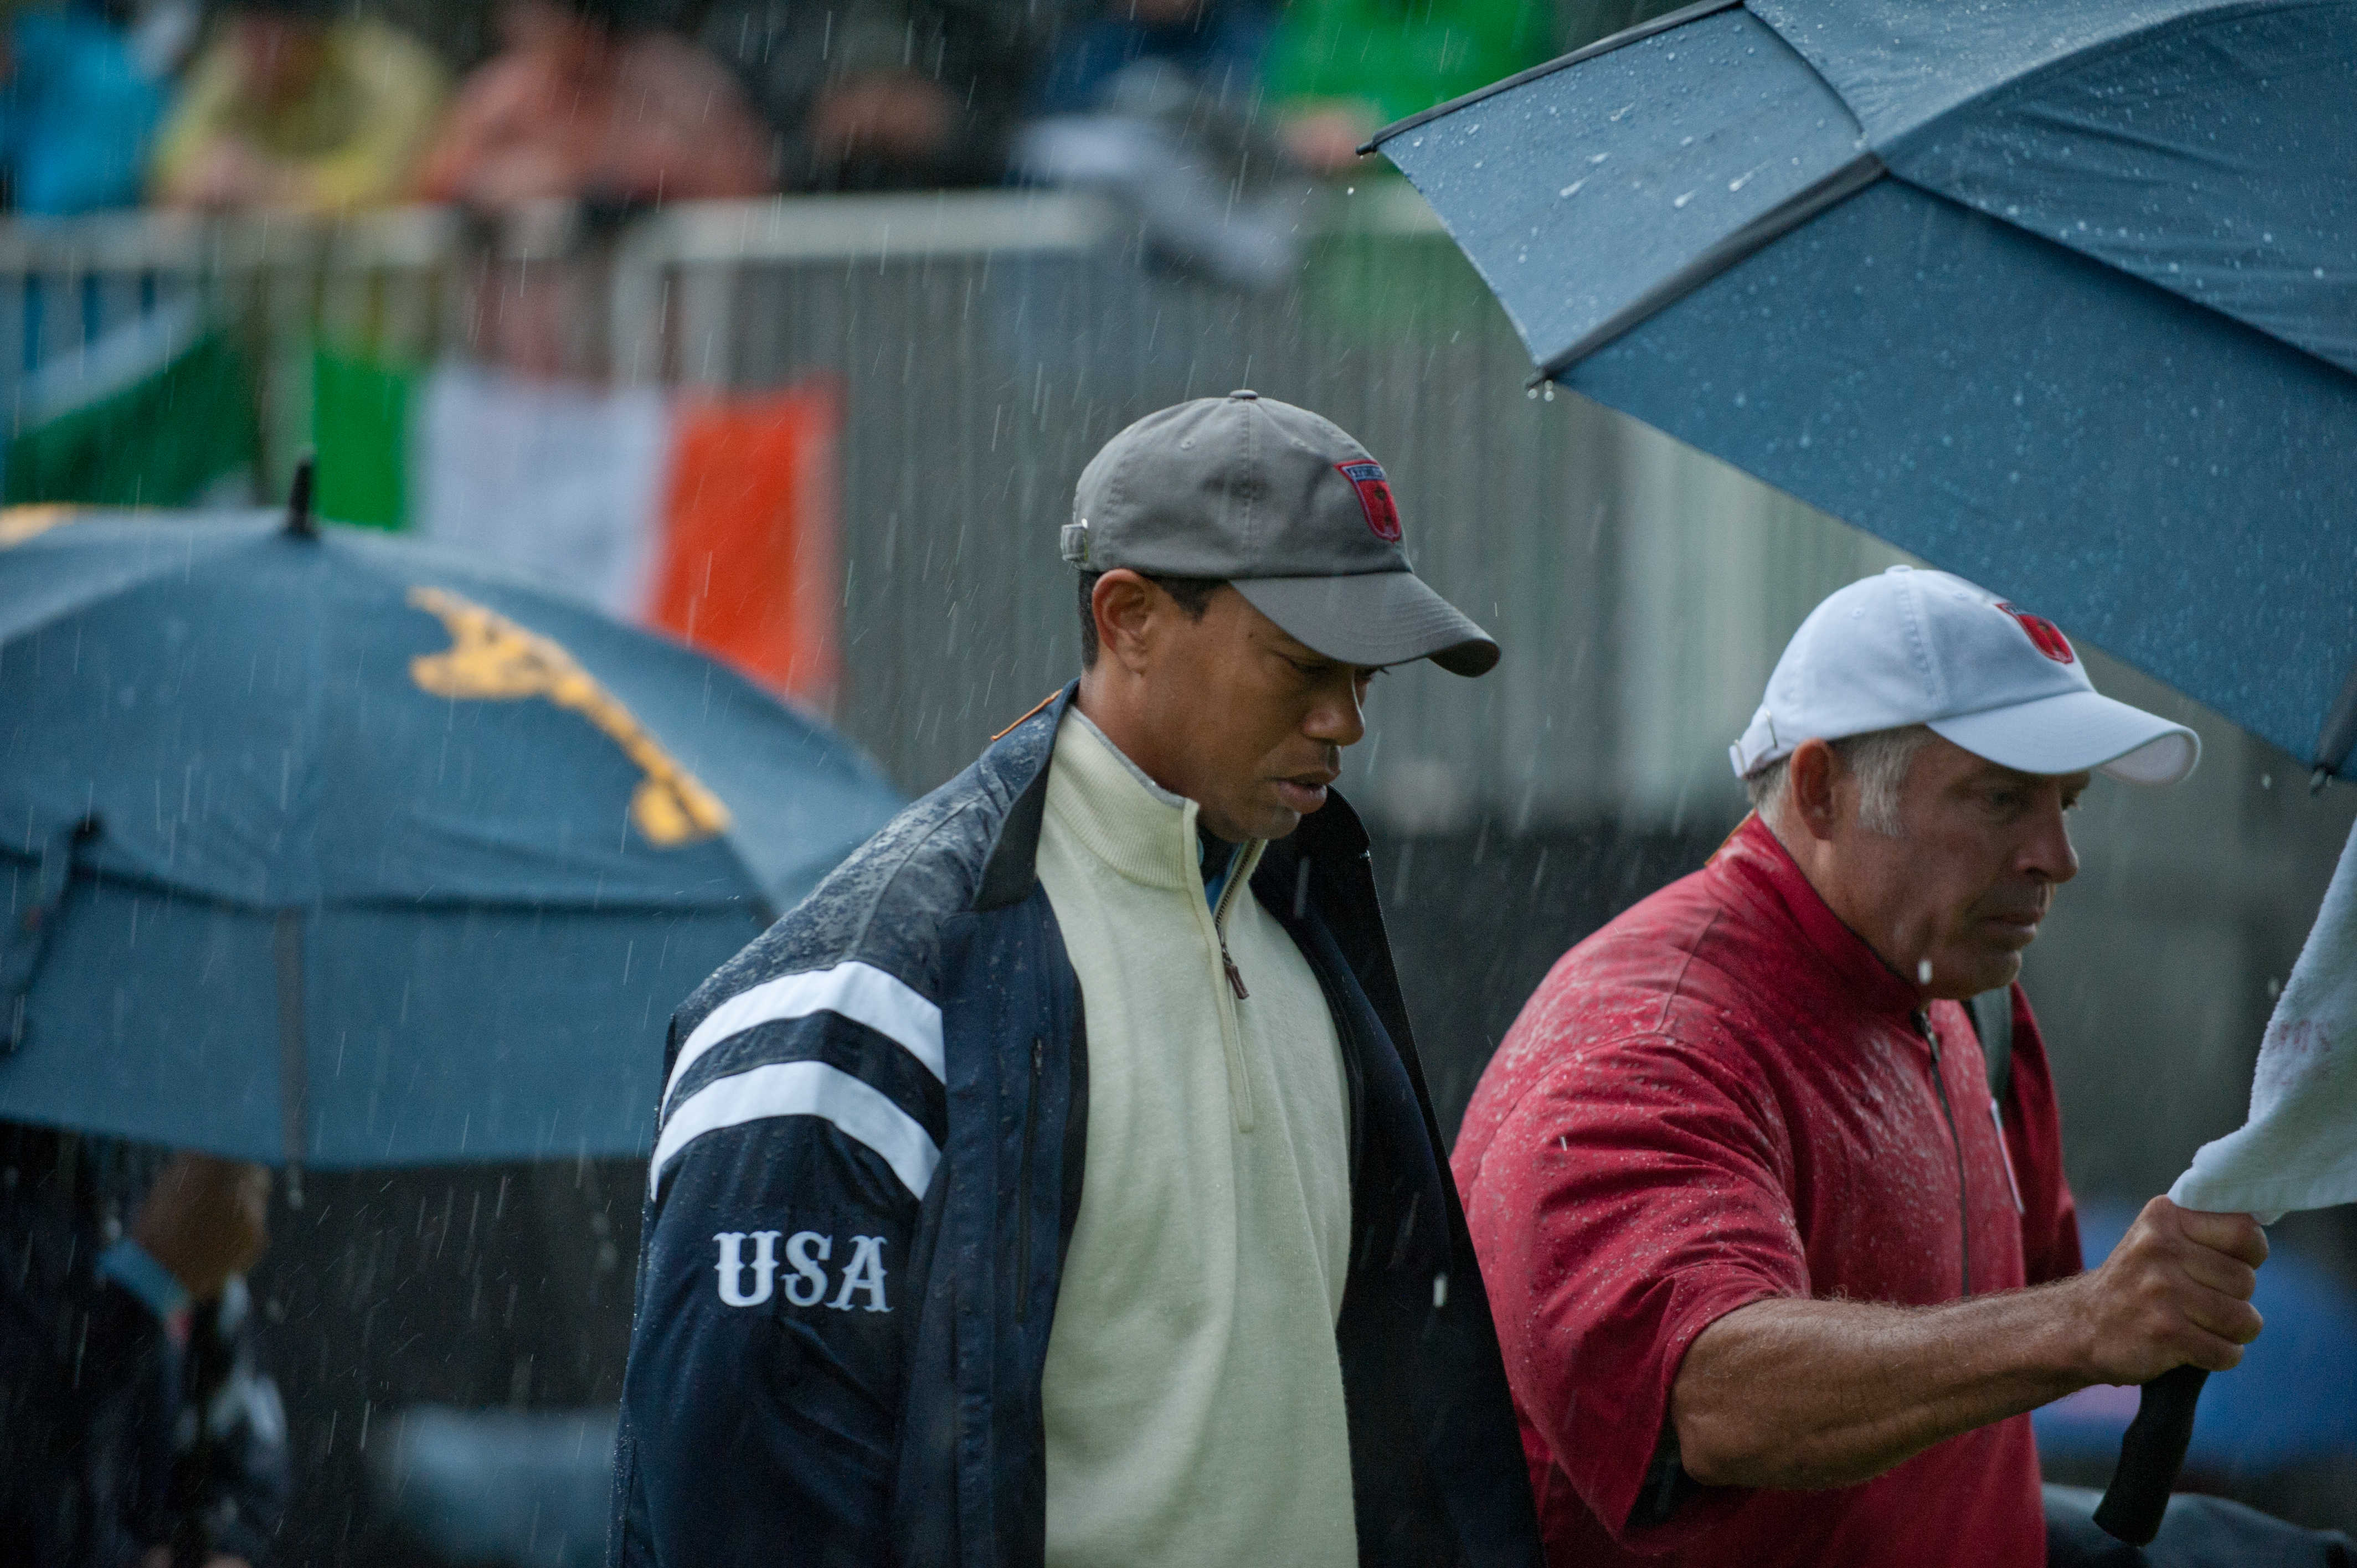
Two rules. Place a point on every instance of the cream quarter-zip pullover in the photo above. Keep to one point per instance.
(1192, 1393)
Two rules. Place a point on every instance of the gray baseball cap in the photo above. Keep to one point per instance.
(1278, 502)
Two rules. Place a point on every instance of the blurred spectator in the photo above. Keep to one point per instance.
(1342, 69)
(134, 1427)
(161, 33)
(885, 95)
(289, 106)
(593, 101)
(78, 110)
(1155, 103)
(1217, 43)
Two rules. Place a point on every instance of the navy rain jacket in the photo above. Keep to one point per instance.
(867, 1166)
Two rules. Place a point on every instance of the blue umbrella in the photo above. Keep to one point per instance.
(2060, 295)
(329, 849)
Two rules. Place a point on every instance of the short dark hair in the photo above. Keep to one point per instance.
(1193, 595)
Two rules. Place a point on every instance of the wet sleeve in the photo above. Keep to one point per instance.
(761, 1405)
(2033, 1135)
(1638, 1194)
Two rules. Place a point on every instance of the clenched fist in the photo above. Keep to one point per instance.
(2177, 1289)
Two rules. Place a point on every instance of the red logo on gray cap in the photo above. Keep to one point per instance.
(2044, 633)
(1375, 499)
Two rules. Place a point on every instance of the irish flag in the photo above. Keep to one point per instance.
(708, 515)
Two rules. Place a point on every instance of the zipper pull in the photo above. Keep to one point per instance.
(2012, 1182)
(1236, 975)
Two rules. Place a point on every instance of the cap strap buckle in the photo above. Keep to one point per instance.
(1076, 542)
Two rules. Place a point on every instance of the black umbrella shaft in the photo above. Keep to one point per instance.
(2151, 1453)
(2333, 747)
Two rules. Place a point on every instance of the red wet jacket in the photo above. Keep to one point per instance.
(1724, 1096)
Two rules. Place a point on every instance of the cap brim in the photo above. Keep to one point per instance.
(1374, 619)
(2078, 732)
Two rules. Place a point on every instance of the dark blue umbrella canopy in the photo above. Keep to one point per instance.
(2060, 295)
(339, 851)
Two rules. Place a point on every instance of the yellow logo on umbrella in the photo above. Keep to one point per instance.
(492, 658)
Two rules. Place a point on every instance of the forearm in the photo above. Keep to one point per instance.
(1802, 1395)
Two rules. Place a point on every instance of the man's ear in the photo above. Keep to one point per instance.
(1125, 605)
(1812, 777)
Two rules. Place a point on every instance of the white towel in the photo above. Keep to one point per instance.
(2299, 1150)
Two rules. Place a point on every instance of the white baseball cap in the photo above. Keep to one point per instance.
(1926, 647)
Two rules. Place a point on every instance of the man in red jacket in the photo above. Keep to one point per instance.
(1776, 1277)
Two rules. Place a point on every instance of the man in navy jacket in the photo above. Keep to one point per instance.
(881, 1178)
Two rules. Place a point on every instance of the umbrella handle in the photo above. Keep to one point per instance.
(2151, 1450)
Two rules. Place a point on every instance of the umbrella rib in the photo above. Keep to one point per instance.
(294, 1052)
(1756, 235)
(1604, 46)
(2339, 733)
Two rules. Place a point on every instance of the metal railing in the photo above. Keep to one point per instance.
(987, 343)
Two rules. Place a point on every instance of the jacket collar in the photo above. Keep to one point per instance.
(1137, 828)
(1015, 767)
(1755, 857)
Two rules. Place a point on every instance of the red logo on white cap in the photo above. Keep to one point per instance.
(2048, 636)
(1375, 499)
